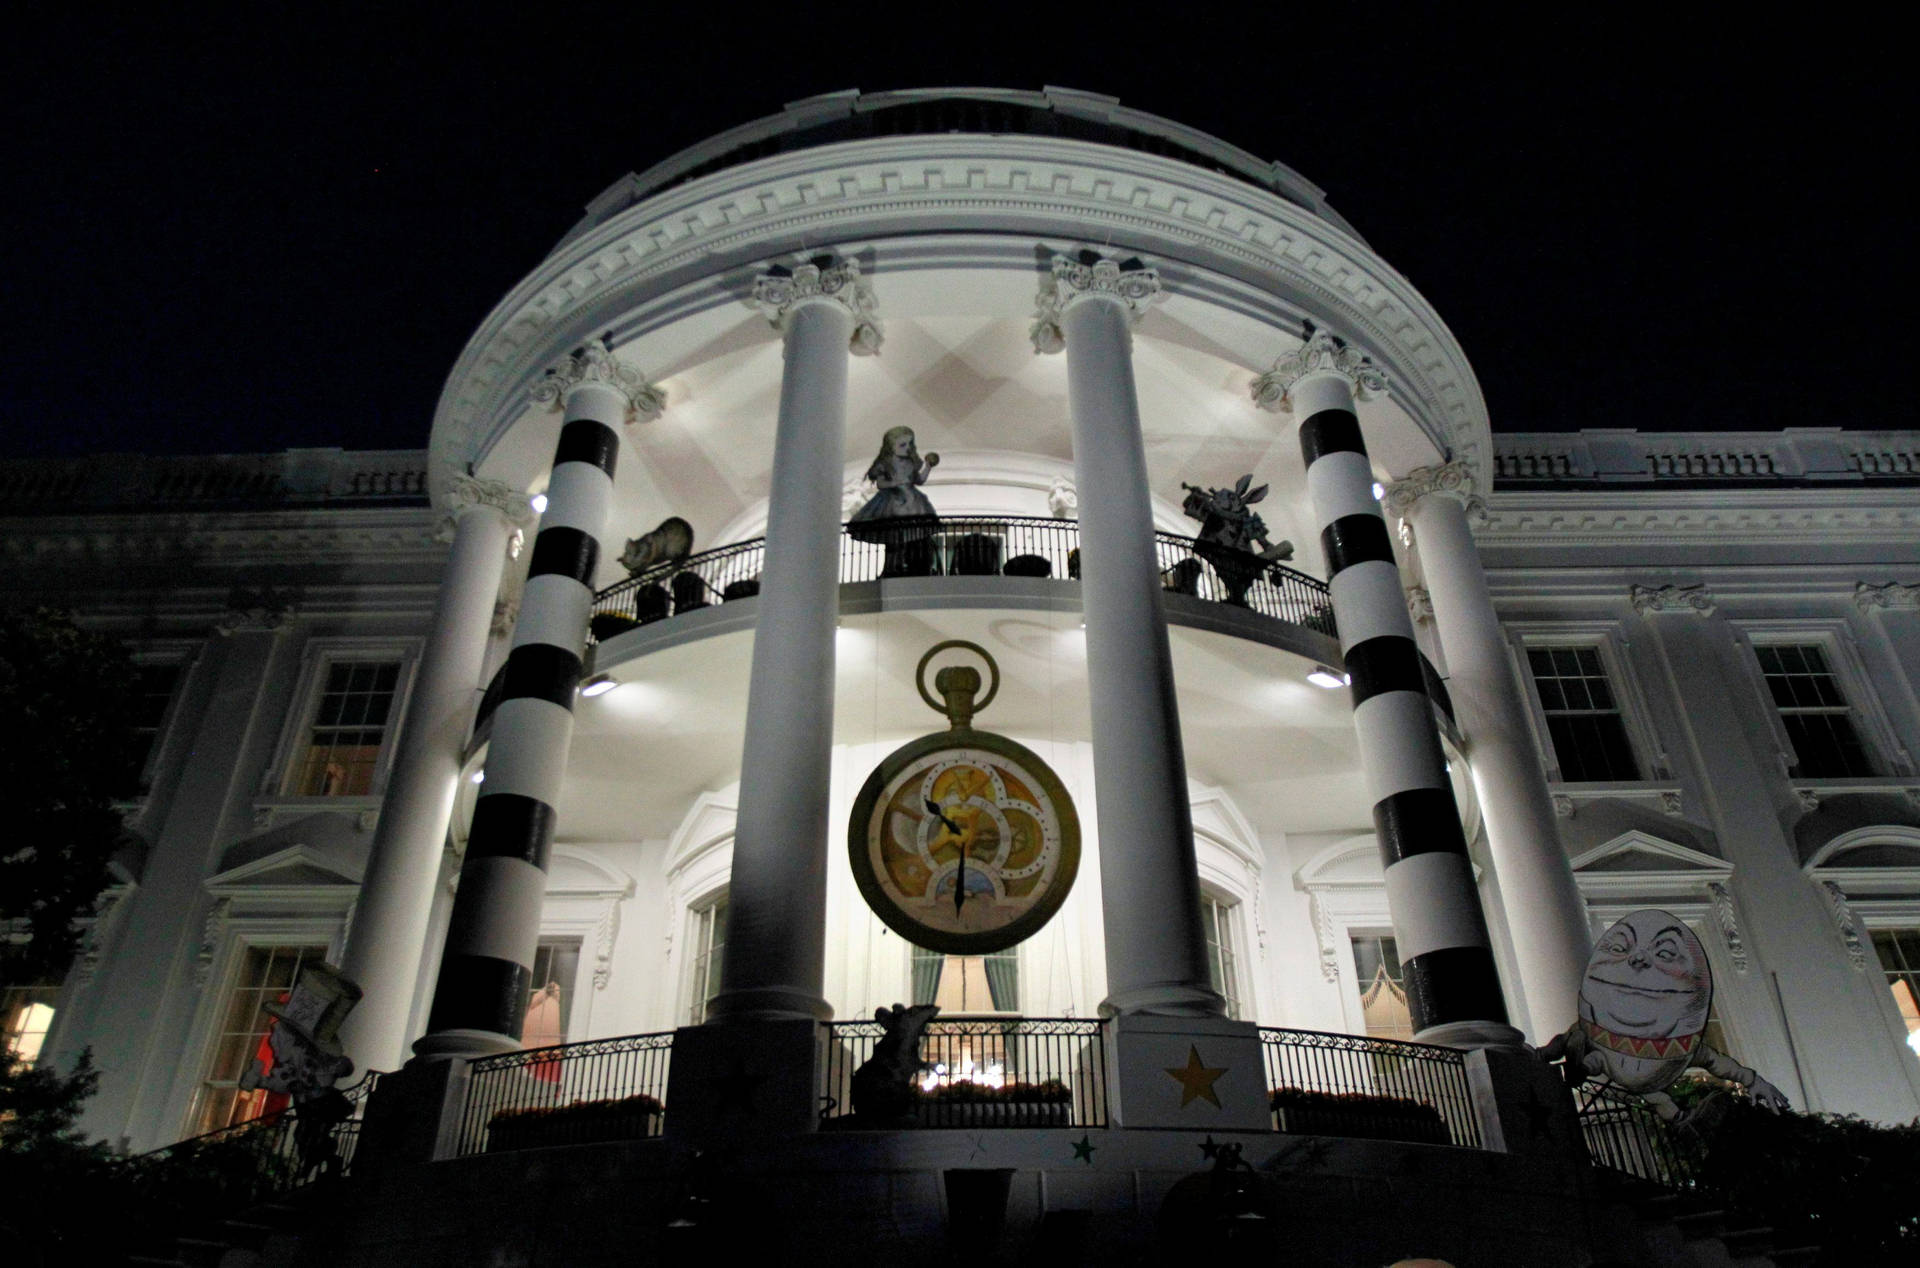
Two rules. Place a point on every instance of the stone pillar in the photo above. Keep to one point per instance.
(1453, 989)
(1546, 918)
(480, 997)
(777, 899)
(389, 933)
(1150, 884)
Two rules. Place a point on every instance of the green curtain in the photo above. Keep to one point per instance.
(1003, 980)
(926, 974)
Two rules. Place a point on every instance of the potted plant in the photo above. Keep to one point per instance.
(578, 1123)
(1358, 1115)
(606, 625)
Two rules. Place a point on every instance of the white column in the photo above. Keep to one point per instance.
(777, 899)
(389, 933)
(1546, 918)
(1150, 884)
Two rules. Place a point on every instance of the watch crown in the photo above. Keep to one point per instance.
(957, 685)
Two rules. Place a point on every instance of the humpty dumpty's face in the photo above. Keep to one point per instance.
(1648, 978)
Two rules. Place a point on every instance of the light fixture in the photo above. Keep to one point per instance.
(539, 502)
(598, 685)
(1379, 490)
(1324, 677)
(478, 777)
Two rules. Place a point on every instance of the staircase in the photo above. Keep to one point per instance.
(1679, 1229)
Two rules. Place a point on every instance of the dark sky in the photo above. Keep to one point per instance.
(231, 235)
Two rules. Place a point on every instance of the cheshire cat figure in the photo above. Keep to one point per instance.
(1643, 1014)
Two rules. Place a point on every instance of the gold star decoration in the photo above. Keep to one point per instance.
(1196, 1079)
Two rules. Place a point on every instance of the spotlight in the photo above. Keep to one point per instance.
(1324, 677)
(478, 777)
(539, 502)
(1379, 490)
(598, 685)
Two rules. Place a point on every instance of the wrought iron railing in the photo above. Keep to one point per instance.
(572, 1094)
(1012, 1072)
(251, 1161)
(1623, 1134)
(1352, 1085)
(963, 546)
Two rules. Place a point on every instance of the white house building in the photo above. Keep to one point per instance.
(1654, 669)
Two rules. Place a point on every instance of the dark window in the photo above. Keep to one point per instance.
(1583, 718)
(349, 724)
(709, 954)
(1818, 720)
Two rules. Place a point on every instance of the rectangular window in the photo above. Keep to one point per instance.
(1218, 919)
(1584, 724)
(340, 750)
(1813, 709)
(709, 951)
(26, 1012)
(555, 963)
(963, 984)
(1383, 992)
(265, 977)
(153, 687)
(1899, 952)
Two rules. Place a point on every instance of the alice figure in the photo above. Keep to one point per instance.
(897, 473)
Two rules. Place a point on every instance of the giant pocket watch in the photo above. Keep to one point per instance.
(963, 841)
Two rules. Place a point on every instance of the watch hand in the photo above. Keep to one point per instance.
(960, 847)
(933, 808)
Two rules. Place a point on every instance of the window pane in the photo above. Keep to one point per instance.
(1584, 723)
(349, 728)
(265, 976)
(1383, 996)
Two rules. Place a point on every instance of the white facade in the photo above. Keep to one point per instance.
(1665, 565)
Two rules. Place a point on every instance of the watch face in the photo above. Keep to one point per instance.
(964, 842)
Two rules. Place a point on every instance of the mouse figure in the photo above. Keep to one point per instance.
(1644, 1003)
(672, 542)
(882, 1087)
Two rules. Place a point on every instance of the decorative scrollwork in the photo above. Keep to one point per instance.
(1322, 352)
(1728, 918)
(1889, 597)
(1128, 282)
(1849, 928)
(1647, 600)
(780, 290)
(594, 363)
(1450, 480)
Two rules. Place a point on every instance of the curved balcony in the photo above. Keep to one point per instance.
(1026, 549)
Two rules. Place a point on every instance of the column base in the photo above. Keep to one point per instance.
(744, 1079)
(768, 1003)
(1472, 1034)
(1203, 1073)
(1165, 999)
(467, 1044)
(414, 1115)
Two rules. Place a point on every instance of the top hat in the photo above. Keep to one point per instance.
(320, 1001)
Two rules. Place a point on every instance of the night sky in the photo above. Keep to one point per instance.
(223, 236)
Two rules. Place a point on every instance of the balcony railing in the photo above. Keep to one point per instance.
(1016, 1072)
(1623, 1134)
(252, 1161)
(572, 1094)
(964, 546)
(1354, 1085)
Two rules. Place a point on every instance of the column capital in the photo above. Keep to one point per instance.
(1420, 605)
(1648, 600)
(1129, 283)
(1323, 352)
(593, 364)
(1892, 596)
(465, 492)
(1452, 480)
(267, 611)
(781, 290)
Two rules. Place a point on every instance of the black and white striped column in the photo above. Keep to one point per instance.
(1453, 989)
(480, 999)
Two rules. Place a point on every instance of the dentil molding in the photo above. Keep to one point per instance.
(593, 364)
(1648, 600)
(1323, 352)
(780, 290)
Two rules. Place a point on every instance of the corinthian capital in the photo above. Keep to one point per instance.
(1322, 353)
(592, 363)
(465, 492)
(1891, 596)
(1647, 600)
(1449, 480)
(779, 291)
(1129, 283)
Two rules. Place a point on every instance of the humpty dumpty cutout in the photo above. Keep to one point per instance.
(1644, 1003)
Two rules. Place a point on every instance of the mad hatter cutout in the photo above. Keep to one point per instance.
(304, 1041)
(1644, 1003)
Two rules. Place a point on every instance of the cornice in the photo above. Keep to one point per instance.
(394, 535)
(1748, 517)
(703, 238)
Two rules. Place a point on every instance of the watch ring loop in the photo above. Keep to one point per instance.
(920, 673)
